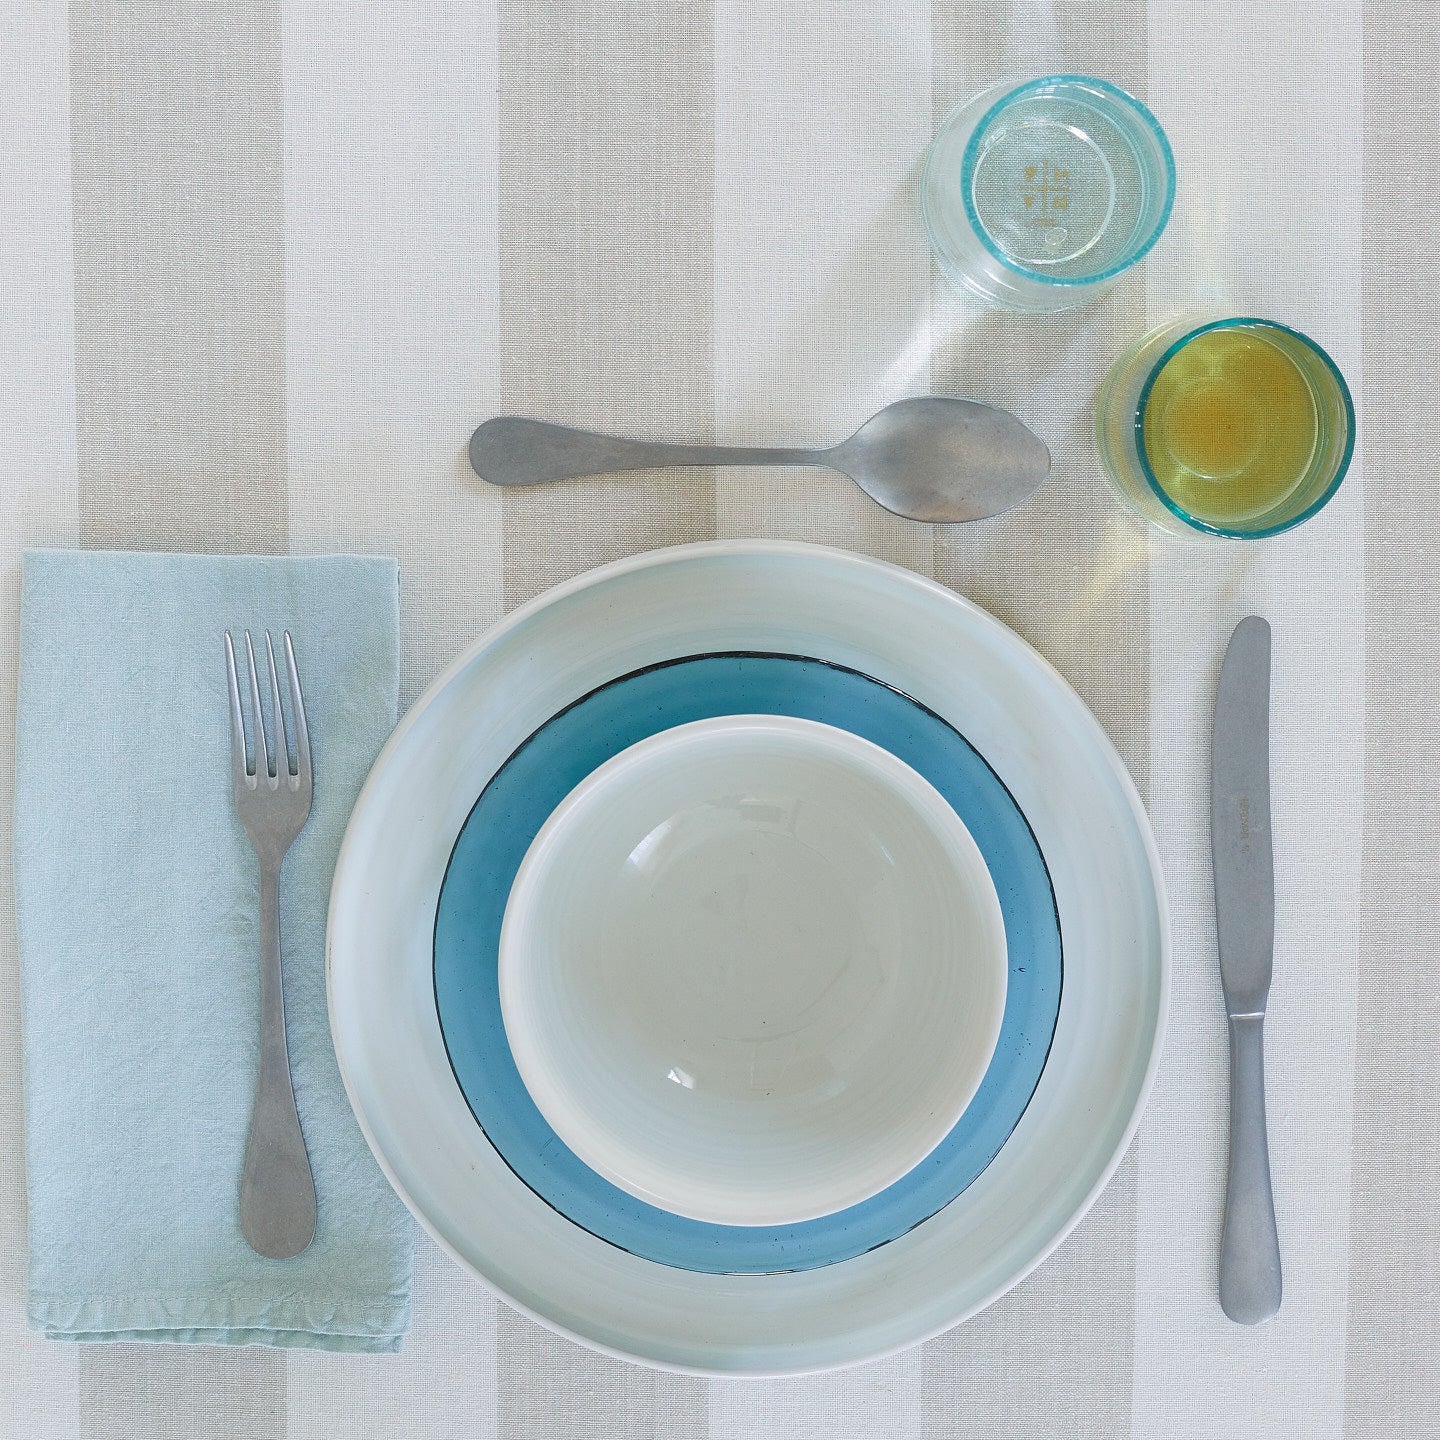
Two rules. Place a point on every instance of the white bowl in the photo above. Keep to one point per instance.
(753, 969)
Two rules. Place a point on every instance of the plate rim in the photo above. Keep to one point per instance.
(648, 559)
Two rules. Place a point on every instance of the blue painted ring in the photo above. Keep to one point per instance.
(547, 766)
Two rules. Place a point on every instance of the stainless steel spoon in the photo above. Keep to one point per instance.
(929, 458)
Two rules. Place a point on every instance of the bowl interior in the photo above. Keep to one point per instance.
(753, 969)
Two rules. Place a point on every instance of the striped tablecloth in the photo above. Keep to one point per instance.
(265, 266)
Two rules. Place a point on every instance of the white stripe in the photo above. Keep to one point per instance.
(1268, 149)
(40, 506)
(392, 280)
(821, 266)
(878, 1402)
(391, 360)
(443, 1382)
(821, 317)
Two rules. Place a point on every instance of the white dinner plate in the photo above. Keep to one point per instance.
(792, 599)
(752, 969)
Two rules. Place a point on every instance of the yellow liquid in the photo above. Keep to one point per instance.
(1231, 426)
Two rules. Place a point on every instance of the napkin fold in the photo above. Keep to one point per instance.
(137, 898)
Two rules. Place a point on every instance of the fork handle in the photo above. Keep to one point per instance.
(277, 1191)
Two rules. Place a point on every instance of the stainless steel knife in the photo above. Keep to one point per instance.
(1250, 1284)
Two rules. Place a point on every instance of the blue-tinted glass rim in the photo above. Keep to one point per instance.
(1231, 533)
(967, 175)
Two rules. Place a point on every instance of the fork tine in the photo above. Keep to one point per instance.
(262, 744)
(282, 739)
(239, 766)
(297, 711)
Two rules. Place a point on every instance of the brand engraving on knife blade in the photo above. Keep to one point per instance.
(1244, 823)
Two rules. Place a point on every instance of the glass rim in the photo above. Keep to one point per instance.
(1232, 532)
(1115, 92)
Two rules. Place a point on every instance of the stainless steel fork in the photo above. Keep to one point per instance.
(277, 1190)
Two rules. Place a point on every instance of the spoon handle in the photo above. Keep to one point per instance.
(512, 451)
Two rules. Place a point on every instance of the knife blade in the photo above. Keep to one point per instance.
(1241, 851)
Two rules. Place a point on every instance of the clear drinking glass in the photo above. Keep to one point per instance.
(1233, 428)
(1036, 196)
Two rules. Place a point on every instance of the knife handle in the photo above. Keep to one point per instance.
(1250, 1283)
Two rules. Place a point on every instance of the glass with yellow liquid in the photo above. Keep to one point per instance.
(1238, 428)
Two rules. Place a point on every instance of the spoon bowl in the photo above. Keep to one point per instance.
(938, 459)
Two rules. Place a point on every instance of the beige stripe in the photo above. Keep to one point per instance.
(181, 1392)
(606, 178)
(606, 173)
(1394, 1301)
(180, 429)
(179, 287)
(1070, 573)
(390, 321)
(391, 304)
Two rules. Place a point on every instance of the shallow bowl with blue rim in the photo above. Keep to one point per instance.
(561, 753)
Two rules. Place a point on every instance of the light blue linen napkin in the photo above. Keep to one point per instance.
(136, 893)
